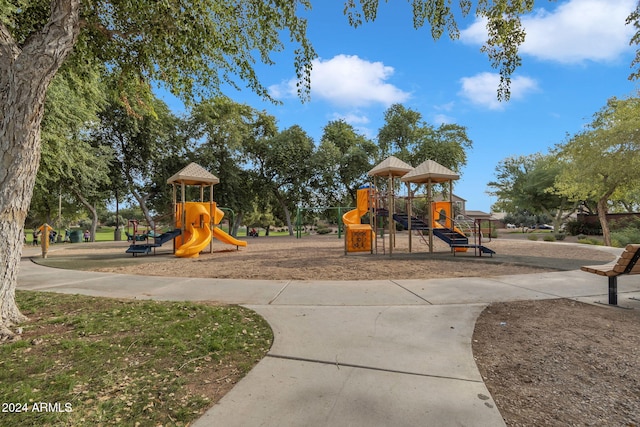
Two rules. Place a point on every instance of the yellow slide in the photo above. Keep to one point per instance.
(219, 234)
(198, 233)
(224, 237)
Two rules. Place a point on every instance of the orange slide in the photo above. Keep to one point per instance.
(445, 210)
(198, 231)
(358, 236)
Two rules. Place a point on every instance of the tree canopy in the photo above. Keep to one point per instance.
(408, 137)
(602, 163)
(344, 157)
(527, 184)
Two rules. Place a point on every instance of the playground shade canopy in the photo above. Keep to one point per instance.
(391, 166)
(193, 174)
(430, 171)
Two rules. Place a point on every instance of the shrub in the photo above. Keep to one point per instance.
(559, 236)
(533, 237)
(549, 238)
(625, 236)
(323, 230)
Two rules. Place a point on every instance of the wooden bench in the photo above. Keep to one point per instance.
(627, 263)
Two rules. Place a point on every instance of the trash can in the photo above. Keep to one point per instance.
(76, 236)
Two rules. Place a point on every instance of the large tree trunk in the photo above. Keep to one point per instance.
(94, 215)
(602, 216)
(285, 209)
(236, 224)
(25, 75)
(142, 202)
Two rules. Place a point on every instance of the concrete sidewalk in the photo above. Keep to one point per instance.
(370, 353)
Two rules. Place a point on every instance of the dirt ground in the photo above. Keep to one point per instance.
(555, 362)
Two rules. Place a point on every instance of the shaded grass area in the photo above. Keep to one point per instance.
(101, 361)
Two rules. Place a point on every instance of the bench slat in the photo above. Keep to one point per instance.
(627, 263)
(602, 270)
(618, 266)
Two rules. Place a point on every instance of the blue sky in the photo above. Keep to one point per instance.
(575, 57)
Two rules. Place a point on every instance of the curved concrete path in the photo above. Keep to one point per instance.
(368, 353)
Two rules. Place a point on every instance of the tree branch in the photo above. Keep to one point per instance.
(48, 48)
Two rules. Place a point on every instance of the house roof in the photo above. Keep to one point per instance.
(194, 174)
(430, 171)
(454, 197)
(477, 214)
(391, 166)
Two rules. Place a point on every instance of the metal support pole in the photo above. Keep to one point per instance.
(430, 210)
(409, 213)
(392, 228)
(613, 290)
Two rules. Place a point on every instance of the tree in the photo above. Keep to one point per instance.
(191, 47)
(225, 129)
(406, 136)
(284, 165)
(69, 166)
(527, 184)
(141, 136)
(344, 157)
(603, 161)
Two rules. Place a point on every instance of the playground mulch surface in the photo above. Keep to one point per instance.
(552, 362)
(323, 258)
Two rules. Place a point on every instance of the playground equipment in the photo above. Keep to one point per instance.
(45, 229)
(136, 236)
(197, 221)
(359, 237)
(201, 221)
(145, 248)
(439, 222)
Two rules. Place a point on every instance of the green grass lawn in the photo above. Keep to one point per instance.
(100, 361)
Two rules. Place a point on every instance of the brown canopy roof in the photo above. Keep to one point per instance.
(194, 174)
(391, 166)
(430, 171)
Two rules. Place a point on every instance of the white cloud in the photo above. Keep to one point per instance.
(353, 118)
(283, 90)
(577, 30)
(442, 119)
(481, 89)
(348, 80)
